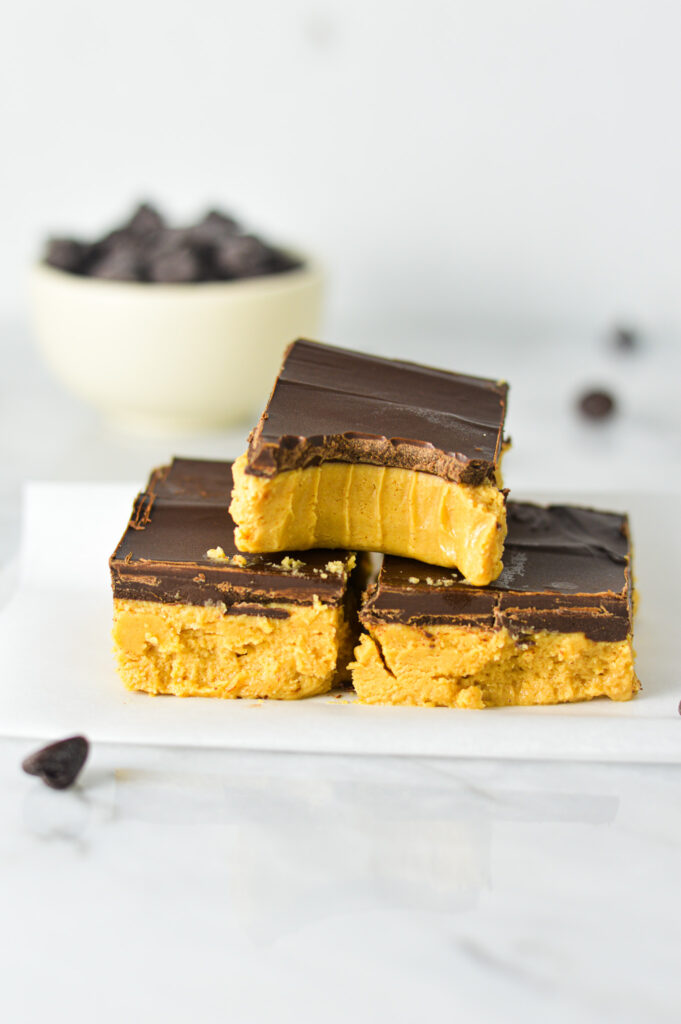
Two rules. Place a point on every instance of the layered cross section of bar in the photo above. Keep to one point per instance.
(194, 617)
(372, 454)
(556, 626)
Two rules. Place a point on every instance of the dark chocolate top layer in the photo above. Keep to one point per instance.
(566, 570)
(163, 554)
(333, 405)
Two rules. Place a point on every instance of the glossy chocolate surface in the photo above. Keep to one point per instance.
(566, 570)
(333, 405)
(163, 554)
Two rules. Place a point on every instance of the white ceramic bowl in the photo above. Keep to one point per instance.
(172, 358)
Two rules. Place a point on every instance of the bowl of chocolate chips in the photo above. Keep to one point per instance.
(172, 329)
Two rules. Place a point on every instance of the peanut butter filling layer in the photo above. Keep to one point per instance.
(449, 666)
(372, 508)
(195, 651)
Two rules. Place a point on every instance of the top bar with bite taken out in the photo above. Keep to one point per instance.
(359, 452)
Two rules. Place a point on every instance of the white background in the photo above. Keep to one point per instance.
(498, 166)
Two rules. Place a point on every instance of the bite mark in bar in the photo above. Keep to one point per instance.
(349, 439)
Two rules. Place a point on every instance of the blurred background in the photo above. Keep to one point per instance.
(489, 186)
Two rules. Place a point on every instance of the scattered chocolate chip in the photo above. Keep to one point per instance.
(174, 266)
(625, 339)
(66, 254)
(60, 763)
(597, 405)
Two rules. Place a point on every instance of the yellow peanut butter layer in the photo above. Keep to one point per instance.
(372, 508)
(459, 667)
(196, 651)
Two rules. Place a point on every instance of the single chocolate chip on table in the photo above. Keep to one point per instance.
(625, 339)
(597, 405)
(58, 764)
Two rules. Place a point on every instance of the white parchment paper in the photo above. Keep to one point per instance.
(57, 672)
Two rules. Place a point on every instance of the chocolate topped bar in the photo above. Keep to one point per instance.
(193, 481)
(179, 548)
(333, 405)
(566, 570)
(195, 618)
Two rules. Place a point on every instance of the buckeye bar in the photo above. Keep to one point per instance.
(193, 617)
(373, 454)
(556, 626)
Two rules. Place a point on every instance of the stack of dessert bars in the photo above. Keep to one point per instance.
(256, 579)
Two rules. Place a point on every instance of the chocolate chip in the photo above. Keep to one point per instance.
(114, 240)
(241, 256)
(144, 220)
(66, 254)
(625, 339)
(174, 266)
(119, 262)
(214, 227)
(145, 249)
(281, 261)
(60, 763)
(165, 241)
(597, 405)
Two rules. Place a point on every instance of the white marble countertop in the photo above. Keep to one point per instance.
(177, 885)
(186, 885)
